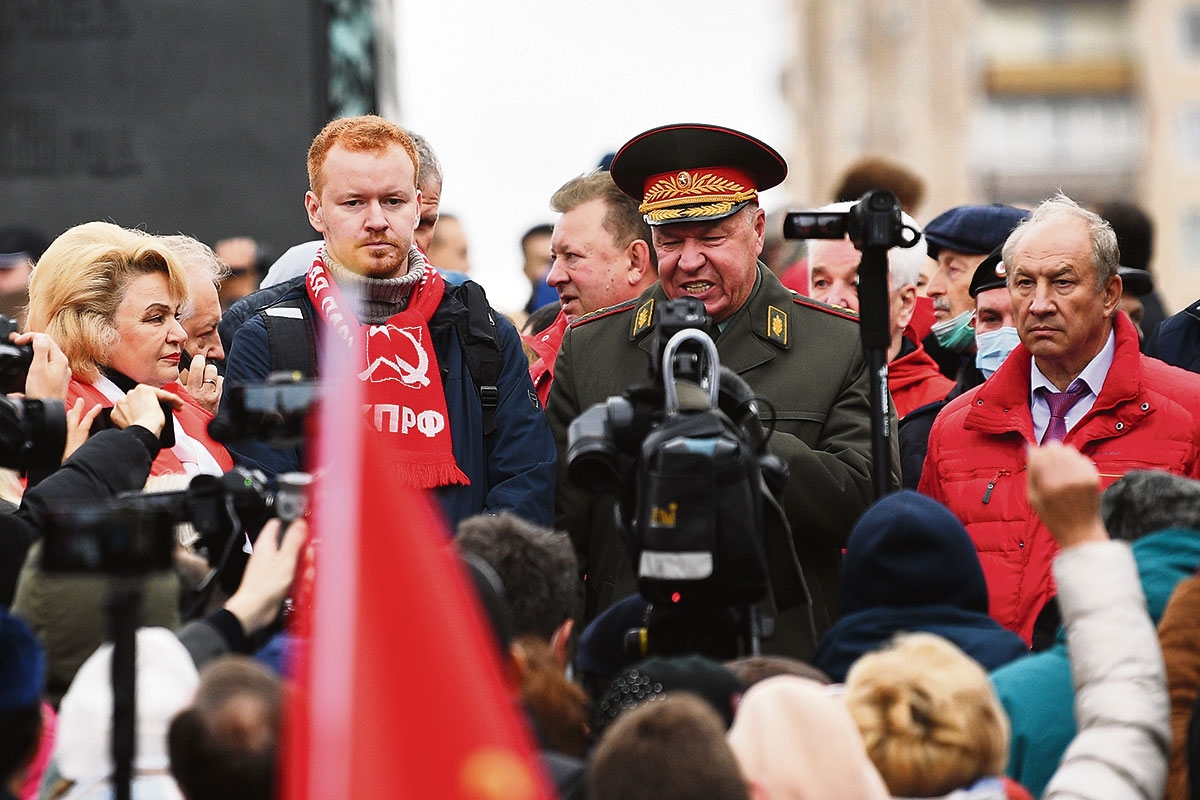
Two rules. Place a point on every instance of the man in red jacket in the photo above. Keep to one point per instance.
(913, 377)
(1076, 376)
(600, 256)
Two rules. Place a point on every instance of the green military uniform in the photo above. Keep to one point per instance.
(805, 359)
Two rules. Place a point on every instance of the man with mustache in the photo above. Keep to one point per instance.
(698, 187)
(959, 239)
(1077, 376)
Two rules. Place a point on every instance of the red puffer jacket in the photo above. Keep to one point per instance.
(1147, 416)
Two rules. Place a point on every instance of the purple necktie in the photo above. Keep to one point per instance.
(1060, 404)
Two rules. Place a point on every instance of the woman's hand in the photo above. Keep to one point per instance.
(141, 406)
(204, 383)
(79, 425)
(49, 373)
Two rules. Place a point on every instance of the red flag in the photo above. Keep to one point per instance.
(399, 690)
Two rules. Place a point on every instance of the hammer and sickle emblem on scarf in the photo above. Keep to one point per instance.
(395, 368)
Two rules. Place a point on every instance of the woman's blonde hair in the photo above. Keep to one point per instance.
(81, 279)
(929, 717)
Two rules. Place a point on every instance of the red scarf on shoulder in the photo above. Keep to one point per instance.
(403, 383)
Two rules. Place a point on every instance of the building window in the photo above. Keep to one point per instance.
(1072, 134)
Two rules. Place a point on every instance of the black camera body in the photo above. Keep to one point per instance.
(15, 359)
(275, 411)
(134, 533)
(874, 221)
(33, 434)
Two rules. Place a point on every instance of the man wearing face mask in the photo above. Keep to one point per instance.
(995, 331)
(959, 239)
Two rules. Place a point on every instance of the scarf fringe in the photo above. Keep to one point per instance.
(417, 470)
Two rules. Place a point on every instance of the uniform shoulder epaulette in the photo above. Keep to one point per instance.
(601, 313)
(837, 311)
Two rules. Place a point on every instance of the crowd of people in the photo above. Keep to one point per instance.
(1012, 615)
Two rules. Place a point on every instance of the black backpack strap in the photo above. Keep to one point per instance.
(290, 337)
(480, 340)
(245, 308)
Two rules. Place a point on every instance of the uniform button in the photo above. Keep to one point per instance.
(1120, 426)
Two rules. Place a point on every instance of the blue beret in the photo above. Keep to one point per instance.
(974, 230)
(22, 665)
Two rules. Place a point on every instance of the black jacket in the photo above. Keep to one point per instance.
(110, 462)
(1177, 340)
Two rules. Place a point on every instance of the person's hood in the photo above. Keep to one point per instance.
(1163, 560)
(909, 550)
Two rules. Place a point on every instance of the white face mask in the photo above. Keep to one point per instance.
(993, 347)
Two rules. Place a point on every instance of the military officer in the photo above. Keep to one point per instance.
(698, 189)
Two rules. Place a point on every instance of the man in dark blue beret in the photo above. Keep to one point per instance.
(959, 239)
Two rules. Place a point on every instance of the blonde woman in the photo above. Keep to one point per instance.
(111, 298)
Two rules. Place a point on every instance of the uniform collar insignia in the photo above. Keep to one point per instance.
(777, 326)
(643, 320)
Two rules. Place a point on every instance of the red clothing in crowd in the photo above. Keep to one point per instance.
(914, 378)
(795, 277)
(1147, 416)
(546, 345)
(922, 318)
(192, 418)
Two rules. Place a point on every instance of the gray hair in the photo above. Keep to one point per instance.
(429, 169)
(1060, 208)
(197, 259)
(904, 263)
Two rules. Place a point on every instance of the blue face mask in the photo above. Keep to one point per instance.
(955, 334)
(993, 347)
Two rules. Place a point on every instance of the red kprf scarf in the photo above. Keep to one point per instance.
(397, 363)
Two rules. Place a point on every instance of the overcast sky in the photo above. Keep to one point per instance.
(518, 97)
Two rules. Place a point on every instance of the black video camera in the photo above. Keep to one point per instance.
(134, 533)
(604, 440)
(874, 221)
(275, 411)
(686, 459)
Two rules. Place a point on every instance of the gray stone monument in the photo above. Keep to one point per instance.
(188, 116)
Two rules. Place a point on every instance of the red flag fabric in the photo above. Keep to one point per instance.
(398, 686)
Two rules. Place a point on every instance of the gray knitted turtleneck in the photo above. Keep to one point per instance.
(376, 300)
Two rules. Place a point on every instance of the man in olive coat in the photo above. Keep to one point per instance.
(698, 187)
